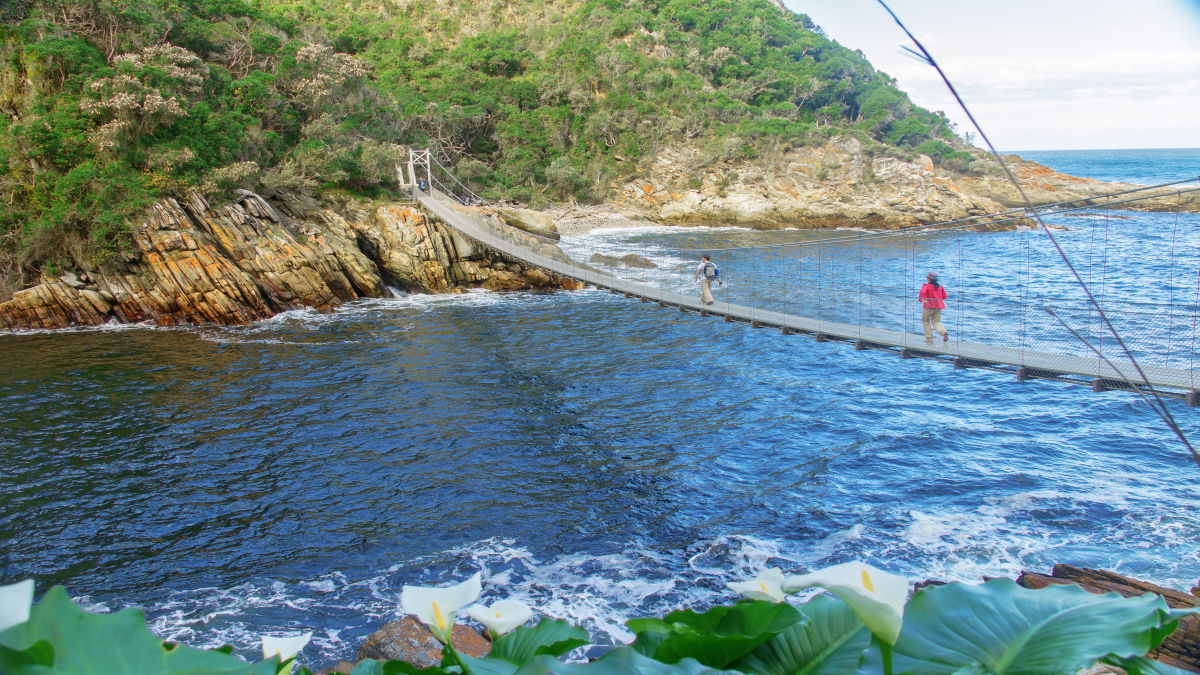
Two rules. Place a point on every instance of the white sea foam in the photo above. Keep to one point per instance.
(111, 326)
(601, 592)
(597, 592)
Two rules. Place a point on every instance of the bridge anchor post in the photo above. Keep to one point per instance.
(785, 331)
(728, 319)
(859, 345)
(959, 363)
(819, 337)
(906, 353)
(1193, 398)
(1022, 374)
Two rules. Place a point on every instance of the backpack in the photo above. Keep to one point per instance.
(710, 271)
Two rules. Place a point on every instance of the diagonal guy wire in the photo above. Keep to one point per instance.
(1161, 409)
(1170, 420)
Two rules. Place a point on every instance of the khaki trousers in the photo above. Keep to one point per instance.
(706, 289)
(931, 320)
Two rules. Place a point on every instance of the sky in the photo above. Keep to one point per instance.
(1040, 74)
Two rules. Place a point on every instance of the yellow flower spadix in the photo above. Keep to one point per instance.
(875, 596)
(437, 607)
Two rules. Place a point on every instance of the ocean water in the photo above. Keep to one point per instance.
(1144, 167)
(599, 458)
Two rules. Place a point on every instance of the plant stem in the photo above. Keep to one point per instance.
(885, 650)
(449, 651)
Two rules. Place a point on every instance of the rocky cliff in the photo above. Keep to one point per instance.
(842, 184)
(236, 263)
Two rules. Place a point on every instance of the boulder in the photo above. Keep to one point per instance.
(529, 221)
(629, 260)
(409, 640)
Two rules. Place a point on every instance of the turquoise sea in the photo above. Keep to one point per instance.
(596, 457)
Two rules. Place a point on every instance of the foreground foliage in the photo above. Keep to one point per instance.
(996, 627)
(110, 105)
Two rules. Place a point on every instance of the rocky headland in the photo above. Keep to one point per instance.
(249, 259)
(240, 262)
(843, 183)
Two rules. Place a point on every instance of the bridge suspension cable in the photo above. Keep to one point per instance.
(863, 289)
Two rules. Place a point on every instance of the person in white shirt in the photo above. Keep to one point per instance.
(706, 273)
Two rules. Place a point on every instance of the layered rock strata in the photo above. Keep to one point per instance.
(241, 262)
(844, 184)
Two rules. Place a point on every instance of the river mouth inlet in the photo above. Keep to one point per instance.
(599, 458)
(595, 459)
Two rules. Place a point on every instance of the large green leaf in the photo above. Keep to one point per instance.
(831, 642)
(1011, 630)
(60, 638)
(1140, 665)
(620, 661)
(715, 638)
(553, 637)
(393, 667)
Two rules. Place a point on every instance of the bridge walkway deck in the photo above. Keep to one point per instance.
(1023, 363)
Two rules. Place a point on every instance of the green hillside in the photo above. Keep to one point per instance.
(112, 104)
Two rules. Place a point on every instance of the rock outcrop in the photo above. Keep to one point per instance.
(842, 184)
(248, 260)
(1180, 649)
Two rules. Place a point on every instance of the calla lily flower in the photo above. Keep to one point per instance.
(15, 601)
(436, 607)
(286, 647)
(501, 617)
(877, 597)
(766, 586)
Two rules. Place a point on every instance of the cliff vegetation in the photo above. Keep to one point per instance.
(112, 105)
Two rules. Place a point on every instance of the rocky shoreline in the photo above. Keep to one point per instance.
(240, 262)
(406, 639)
(843, 183)
(248, 260)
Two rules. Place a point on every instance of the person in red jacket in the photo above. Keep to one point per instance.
(931, 298)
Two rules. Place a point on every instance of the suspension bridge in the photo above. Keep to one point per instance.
(1086, 322)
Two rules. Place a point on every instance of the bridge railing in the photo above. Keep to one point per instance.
(864, 285)
(1007, 288)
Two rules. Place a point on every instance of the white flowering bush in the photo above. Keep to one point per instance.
(143, 95)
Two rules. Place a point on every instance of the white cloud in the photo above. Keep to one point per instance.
(1040, 75)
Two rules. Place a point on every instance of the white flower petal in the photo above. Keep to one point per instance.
(437, 607)
(766, 586)
(286, 647)
(15, 602)
(877, 597)
(502, 617)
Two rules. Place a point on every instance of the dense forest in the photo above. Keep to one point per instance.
(110, 105)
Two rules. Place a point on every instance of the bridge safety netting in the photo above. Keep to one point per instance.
(1137, 254)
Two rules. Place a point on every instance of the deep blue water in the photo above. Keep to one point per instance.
(1144, 167)
(597, 457)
